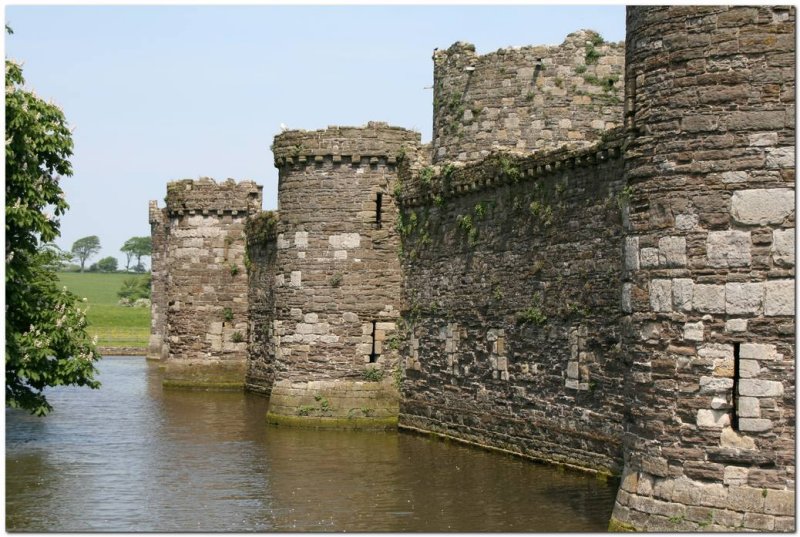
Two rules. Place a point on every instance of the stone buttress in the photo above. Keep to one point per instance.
(201, 273)
(709, 279)
(337, 277)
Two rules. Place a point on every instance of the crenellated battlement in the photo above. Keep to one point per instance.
(375, 143)
(205, 196)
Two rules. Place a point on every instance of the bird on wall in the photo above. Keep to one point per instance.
(284, 128)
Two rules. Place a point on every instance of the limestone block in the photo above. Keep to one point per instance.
(682, 291)
(715, 385)
(349, 317)
(759, 351)
(283, 242)
(755, 425)
(632, 253)
(716, 350)
(728, 248)
(648, 257)
(735, 177)
(279, 280)
(736, 325)
(571, 384)
(295, 278)
(780, 157)
(215, 328)
(716, 419)
(304, 328)
(301, 239)
(693, 331)
(762, 206)
(672, 251)
(311, 318)
(661, 295)
(735, 475)
(779, 298)
(783, 247)
(340, 254)
(780, 502)
(343, 241)
(626, 305)
(749, 369)
(686, 222)
(748, 407)
(745, 499)
(385, 326)
(744, 298)
(572, 370)
(720, 402)
(763, 139)
(732, 439)
(760, 388)
(708, 298)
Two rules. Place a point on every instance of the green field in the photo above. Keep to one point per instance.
(114, 325)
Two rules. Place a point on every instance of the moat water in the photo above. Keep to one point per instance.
(134, 457)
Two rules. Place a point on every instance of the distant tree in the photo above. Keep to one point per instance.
(46, 339)
(107, 264)
(85, 248)
(137, 247)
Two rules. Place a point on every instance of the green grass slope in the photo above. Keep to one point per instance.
(114, 325)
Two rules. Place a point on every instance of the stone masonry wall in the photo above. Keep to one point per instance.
(157, 348)
(709, 255)
(525, 98)
(260, 259)
(206, 288)
(337, 276)
(511, 288)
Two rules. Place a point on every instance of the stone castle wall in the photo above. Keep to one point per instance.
(260, 260)
(205, 288)
(512, 312)
(337, 275)
(159, 262)
(709, 279)
(525, 98)
(619, 300)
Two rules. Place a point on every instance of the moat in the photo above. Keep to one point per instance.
(134, 457)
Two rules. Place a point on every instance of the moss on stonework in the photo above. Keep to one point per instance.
(615, 525)
(206, 386)
(318, 422)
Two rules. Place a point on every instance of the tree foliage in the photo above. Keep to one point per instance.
(137, 247)
(46, 339)
(107, 264)
(85, 248)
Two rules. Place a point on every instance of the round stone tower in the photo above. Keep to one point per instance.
(337, 276)
(709, 281)
(525, 98)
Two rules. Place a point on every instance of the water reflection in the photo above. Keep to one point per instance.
(131, 457)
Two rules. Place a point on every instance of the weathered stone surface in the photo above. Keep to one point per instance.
(744, 298)
(762, 206)
(783, 247)
(661, 295)
(708, 298)
(716, 419)
(682, 292)
(779, 298)
(728, 248)
(760, 388)
(672, 251)
(759, 351)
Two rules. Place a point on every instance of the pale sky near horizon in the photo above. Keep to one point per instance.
(159, 93)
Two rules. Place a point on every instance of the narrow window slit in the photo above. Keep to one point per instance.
(373, 356)
(378, 210)
(735, 415)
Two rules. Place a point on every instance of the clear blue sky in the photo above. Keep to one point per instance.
(159, 93)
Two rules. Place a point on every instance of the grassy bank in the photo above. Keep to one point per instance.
(114, 325)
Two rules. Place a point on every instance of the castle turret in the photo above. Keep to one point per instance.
(525, 98)
(337, 280)
(710, 269)
(205, 325)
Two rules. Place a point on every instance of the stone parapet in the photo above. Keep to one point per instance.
(375, 143)
(207, 197)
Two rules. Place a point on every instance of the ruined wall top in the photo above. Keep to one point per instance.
(206, 196)
(376, 140)
(525, 98)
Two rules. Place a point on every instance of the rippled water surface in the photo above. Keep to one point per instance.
(132, 457)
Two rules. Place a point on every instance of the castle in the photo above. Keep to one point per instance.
(591, 264)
